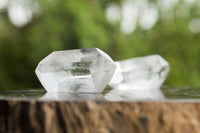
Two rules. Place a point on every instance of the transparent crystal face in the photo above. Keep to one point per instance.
(80, 70)
(147, 72)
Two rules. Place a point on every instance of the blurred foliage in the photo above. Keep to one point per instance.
(59, 24)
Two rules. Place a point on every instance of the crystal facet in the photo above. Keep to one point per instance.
(80, 70)
(140, 73)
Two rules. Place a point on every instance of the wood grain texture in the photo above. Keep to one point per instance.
(99, 117)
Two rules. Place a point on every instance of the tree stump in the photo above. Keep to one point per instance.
(33, 115)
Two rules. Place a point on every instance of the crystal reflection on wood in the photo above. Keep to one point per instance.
(68, 96)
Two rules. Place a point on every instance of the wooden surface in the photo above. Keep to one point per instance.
(18, 116)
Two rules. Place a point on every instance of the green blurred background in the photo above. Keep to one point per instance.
(31, 29)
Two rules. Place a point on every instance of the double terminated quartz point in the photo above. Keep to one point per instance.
(80, 70)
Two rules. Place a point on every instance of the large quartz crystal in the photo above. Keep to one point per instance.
(141, 73)
(81, 70)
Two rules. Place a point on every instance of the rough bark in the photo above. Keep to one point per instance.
(99, 117)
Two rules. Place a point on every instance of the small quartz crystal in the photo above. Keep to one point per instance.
(141, 73)
(80, 70)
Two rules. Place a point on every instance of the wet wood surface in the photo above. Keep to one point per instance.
(17, 116)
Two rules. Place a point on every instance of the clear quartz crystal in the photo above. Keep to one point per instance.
(141, 73)
(80, 70)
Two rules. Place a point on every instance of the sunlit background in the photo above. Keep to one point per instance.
(31, 29)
